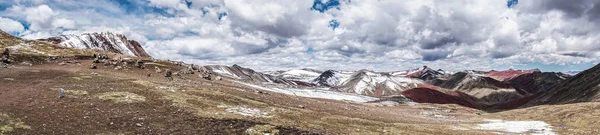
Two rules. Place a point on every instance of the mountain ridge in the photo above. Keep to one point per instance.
(107, 41)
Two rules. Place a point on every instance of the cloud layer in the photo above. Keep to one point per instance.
(331, 34)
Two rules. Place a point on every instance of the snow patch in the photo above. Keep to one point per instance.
(534, 127)
(316, 93)
(27, 47)
(223, 71)
(246, 111)
(517, 127)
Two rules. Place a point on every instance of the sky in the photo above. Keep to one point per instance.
(381, 35)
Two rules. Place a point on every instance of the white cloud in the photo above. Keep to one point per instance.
(9, 25)
(40, 17)
(166, 3)
(381, 35)
(63, 23)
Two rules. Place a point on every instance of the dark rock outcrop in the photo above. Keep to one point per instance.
(583, 87)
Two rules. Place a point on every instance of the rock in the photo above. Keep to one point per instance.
(100, 56)
(187, 71)
(157, 69)
(62, 63)
(118, 67)
(206, 76)
(26, 63)
(169, 75)
(139, 124)
(217, 78)
(5, 56)
(140, 64)
(107, 63)
(301, 106)
(149, 74)
(93, 66)
(193, 67)
(61, 93)
(96, 60)
(94, 73)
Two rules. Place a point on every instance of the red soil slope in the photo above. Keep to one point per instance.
(433, 94)
(507, 74)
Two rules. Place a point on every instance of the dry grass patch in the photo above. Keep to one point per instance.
(155, 64)
(263, 130)
(76, 92)
(121, 97)
(8, 124)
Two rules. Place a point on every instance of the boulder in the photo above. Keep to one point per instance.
(169, 75)
(157, 70)
(5, 56)
(96, 60)
(140, 64)
(93, 66)
(187, 71)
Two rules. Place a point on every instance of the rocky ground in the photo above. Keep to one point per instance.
(130, 100)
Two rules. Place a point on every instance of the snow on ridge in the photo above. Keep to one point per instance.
(87, 40)
(299, 72)
(315, 93)
(222, 70)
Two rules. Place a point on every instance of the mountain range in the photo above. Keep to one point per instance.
(290, 94)
(478, 89)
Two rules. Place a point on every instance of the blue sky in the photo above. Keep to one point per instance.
(383, 35)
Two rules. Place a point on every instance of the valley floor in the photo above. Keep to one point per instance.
(127, 101)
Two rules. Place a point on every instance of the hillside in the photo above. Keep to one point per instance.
(583, 87)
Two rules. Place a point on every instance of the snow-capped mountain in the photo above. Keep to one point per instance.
(572, 72)
(107, 41)
(237, 72)
(304, 75)
(332, 78)
(424, 73)
(371, 83)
